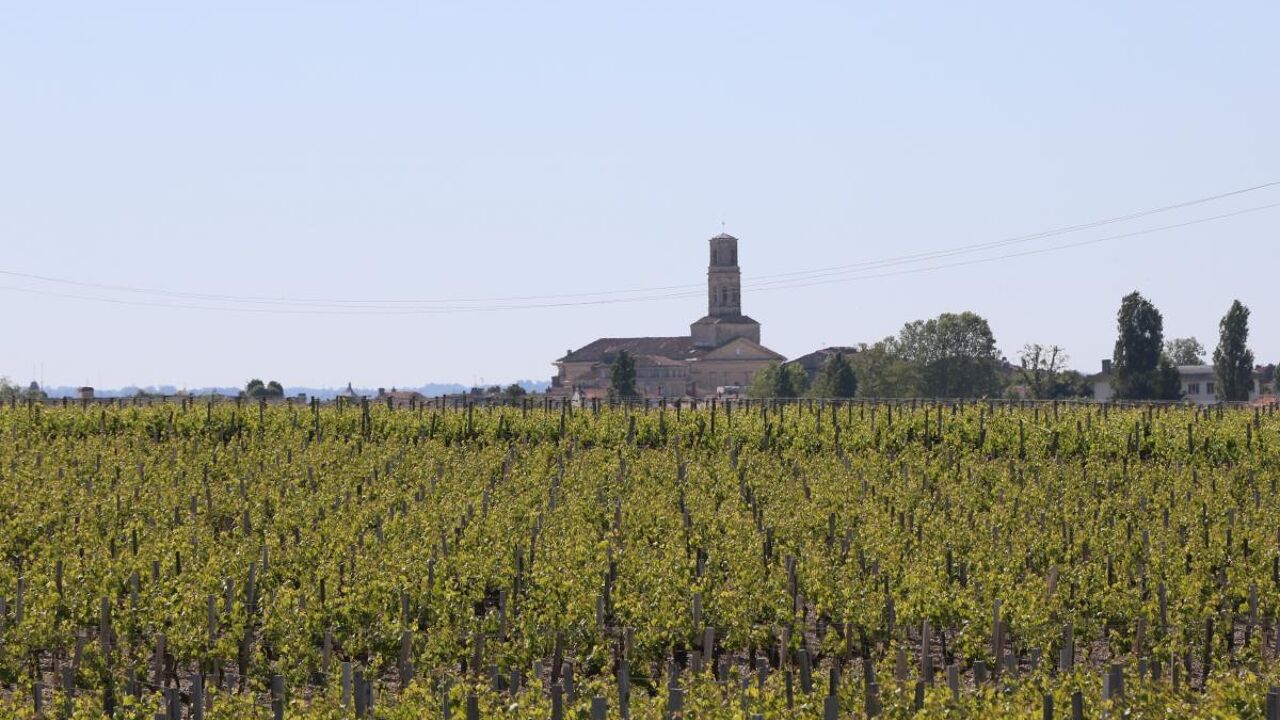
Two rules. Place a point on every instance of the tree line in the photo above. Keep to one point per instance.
(955, 355)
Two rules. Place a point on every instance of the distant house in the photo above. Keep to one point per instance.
(812, 363)
(400, 397)
(1101, 382)
(85, 393)
(1199, 383)
(583, 396)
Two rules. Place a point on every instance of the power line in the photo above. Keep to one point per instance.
(977, 247)
(393, 306)
(840, 277)
(1026, 253)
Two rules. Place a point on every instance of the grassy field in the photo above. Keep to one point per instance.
(909, 560)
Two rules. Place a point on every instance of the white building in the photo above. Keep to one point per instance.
(1199, 384)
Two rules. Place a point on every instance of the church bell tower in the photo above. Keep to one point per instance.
(724, 320)
(724, 278)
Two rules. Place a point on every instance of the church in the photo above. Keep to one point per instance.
(721, 351)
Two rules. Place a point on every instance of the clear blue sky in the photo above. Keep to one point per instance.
(415, 150)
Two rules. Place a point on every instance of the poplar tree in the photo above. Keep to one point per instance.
(1141, 371)
(1232, 360)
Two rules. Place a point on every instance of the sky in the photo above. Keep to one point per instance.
(375, 158)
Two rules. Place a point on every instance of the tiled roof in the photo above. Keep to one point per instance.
(824, 353)
(716, 319)
(658, 360)
(605, 349)
(402, 395)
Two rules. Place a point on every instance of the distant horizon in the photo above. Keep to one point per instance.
(429, 389)
(323, 390)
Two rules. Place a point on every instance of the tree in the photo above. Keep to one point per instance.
(1071, 384)
(777, 381)
(1042, 371)
(1168, 381)
(955, 354)
(882, 372)
(1039, 368)
(1184, 351)
(514, 392)
(255, 388)
(836, 379)
(792, 382)
(1232, 360)
(622, 377)
(1140, 369)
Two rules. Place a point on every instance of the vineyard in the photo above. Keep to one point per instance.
(804, 560)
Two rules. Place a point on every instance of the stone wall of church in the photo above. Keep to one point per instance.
(707, 375)
(709, 334)
(571, 374)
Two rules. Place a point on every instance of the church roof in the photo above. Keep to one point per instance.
(605, 349)
(717, 319)
(724, 236)
(655, 350)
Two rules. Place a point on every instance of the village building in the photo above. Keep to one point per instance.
(813, 362)
(721, 352)
(400, 398)
(1199, 383)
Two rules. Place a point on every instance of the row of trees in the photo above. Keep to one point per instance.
(836, 379)
(952, 355)
(511, 393)
(12, 391)
(257, 389)
(955, 355)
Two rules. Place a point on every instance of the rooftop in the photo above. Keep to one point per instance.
(605, 349)
(717, 319)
